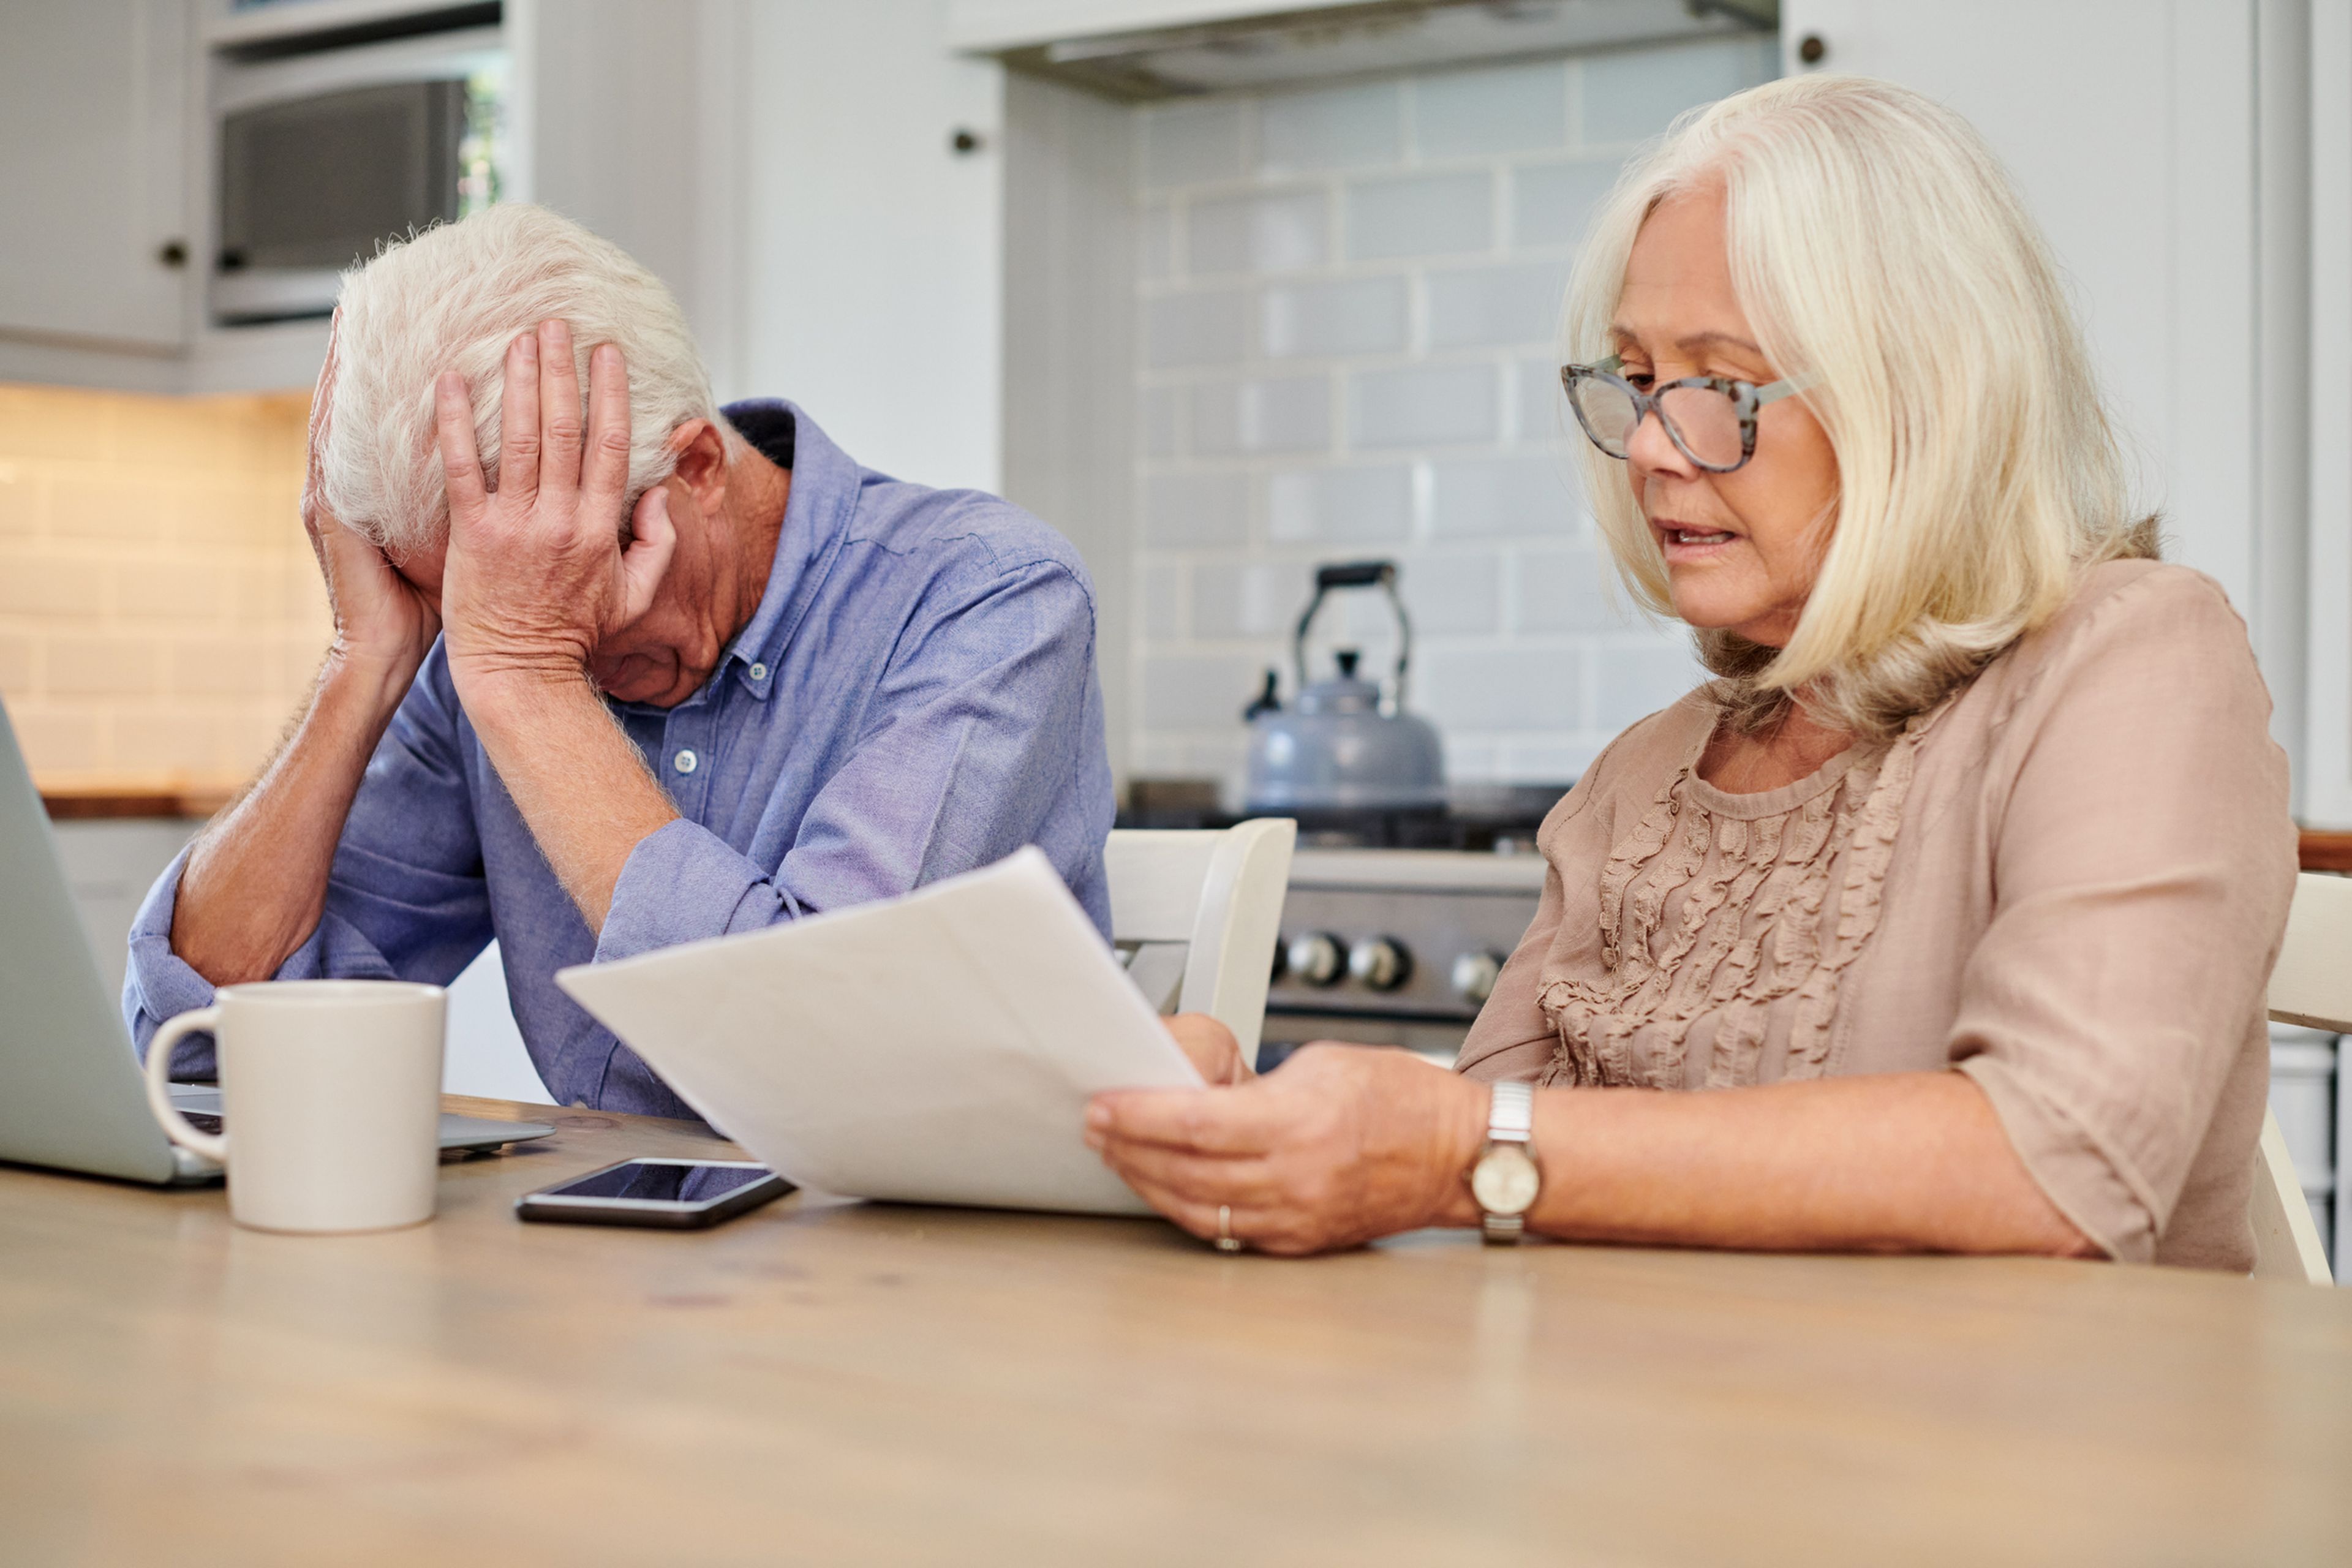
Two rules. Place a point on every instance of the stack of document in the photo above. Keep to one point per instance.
(939, 1047)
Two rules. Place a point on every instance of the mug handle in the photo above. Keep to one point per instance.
(213, 1146)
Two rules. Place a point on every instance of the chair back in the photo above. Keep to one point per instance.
(1196, 914)
(2311, 985)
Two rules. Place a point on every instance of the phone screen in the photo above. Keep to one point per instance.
(662, 1181)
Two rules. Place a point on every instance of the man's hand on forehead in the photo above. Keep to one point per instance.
(551, 560)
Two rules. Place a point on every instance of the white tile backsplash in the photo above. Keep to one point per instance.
(1423, 405)
(1344, 316)
(1422, 214)
(1186, 510)
(1636, 95)
(1276, 414)
(1248, 599)
(1552, 202)
(1185, 143)
(1279, 232)
(1542, 407)
(1346, 345)
(1198, 691)
(1503, 688)
(1478, 306)
(1567, 590)
(1450, 592)
(1458, 114)
(1504, 496)
(1333, 127)
(1354, 505)
(1636, 677)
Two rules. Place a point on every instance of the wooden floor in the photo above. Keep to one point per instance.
(830, 1382)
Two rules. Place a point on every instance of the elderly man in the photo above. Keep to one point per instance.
(621, 670)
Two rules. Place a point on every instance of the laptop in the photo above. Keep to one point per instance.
(71, 1093)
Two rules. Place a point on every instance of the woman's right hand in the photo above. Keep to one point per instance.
(1212, 1048)
(381, 622)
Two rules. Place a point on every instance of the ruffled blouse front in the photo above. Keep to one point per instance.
(1726, 924)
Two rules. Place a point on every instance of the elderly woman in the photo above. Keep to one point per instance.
(1957, 889)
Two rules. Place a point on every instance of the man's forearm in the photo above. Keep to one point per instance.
(581, 787)
(256, 883)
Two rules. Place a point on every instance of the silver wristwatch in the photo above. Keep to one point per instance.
(1505, 1178)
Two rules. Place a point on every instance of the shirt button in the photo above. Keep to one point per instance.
(759, 672)
(686, 762)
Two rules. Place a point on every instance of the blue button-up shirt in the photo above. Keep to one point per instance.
(915, 697)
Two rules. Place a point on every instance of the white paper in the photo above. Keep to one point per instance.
(938, 1048)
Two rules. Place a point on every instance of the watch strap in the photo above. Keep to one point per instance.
(1511, 1114)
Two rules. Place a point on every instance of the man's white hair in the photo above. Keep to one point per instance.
(454, 298)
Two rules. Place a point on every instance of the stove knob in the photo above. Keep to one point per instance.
(1380, 962)
(1475, 974)
(1315, 957)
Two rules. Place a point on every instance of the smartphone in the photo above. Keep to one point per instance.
(676, 1194)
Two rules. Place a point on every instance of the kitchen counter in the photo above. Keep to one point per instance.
(108, 803)
(822, 1381)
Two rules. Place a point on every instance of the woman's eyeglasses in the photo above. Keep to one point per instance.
(1710, 420)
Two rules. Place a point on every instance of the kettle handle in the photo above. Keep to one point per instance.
(1382, 574)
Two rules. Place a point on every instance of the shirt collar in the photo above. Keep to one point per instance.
(822, 501)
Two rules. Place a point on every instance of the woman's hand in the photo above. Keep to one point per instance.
(381, 622)
(1214, 1051)
(1344, 1144)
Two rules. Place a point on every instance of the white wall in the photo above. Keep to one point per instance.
(1069, 317)
(871, 272)
(2133, 127)
(1348, 306)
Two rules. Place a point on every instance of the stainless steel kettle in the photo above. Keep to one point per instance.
(1341, 749)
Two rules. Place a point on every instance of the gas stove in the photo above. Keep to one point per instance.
(1397, 921)
(1394, 947)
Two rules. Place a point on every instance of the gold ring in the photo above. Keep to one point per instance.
(1226, 1240)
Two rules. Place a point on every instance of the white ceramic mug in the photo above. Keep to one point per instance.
(330, 1097)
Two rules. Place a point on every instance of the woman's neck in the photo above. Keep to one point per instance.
(1791, 747)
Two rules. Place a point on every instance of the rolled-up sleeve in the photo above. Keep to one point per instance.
(982, 717)
(405, 896)
(2143, 863)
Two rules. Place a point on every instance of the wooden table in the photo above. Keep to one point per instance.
(824, 1381)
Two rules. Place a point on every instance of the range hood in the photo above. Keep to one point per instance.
(1297, 46)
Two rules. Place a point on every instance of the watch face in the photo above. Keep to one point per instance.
(1505, 1179)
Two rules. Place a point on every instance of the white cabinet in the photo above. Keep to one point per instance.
(2137, 133)
(93, 103)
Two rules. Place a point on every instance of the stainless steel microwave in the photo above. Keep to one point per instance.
(322, 157)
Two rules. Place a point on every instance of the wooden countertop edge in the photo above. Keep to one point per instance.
(116, 802)
(2325, 850)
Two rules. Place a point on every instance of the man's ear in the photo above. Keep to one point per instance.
(701, 461)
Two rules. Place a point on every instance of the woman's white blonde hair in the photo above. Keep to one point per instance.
(1884, 261)
(454, 298)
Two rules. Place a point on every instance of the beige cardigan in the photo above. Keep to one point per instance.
(2068, 882)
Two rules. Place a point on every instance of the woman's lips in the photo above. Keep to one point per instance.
(1683, 542)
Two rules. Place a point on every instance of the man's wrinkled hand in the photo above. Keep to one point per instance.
(537, 575)
(381, 623)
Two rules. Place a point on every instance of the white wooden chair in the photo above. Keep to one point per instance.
(2312, 985)
(1196, 915)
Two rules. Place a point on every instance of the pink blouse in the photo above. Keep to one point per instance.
(2068, 882)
